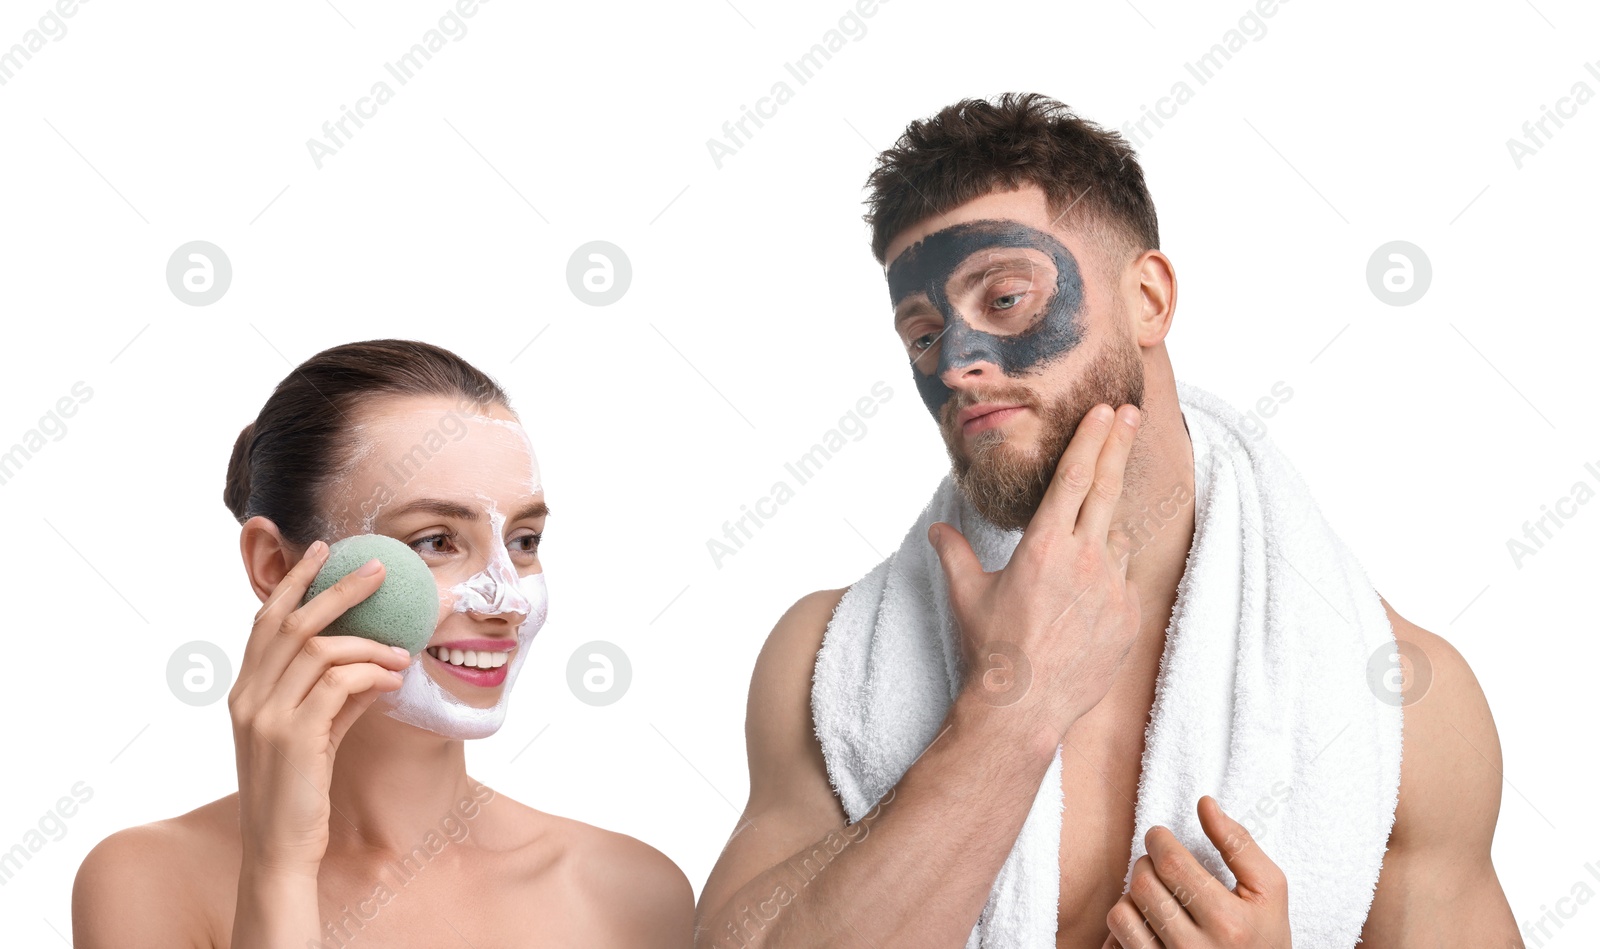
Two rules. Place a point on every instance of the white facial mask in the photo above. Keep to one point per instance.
(496, 589)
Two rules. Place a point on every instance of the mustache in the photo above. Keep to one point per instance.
(966, 398)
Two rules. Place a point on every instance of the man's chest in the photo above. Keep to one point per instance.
(1100, 765)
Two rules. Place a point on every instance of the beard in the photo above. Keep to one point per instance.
(1006, 483)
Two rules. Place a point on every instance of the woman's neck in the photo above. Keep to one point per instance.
(393, 784)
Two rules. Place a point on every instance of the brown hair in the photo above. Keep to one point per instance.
(977, 146)
(297, 447)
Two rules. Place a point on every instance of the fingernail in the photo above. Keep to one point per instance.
(401, 650)
(317, 549)
(370, 567)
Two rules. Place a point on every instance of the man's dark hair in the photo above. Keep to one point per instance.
(1090, 175)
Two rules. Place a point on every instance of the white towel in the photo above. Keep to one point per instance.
(1264, 697)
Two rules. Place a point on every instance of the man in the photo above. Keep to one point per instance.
(1021, 255)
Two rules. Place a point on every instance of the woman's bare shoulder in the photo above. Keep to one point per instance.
(155, 882)
(626, 886)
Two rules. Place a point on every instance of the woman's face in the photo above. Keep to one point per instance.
(460, 485)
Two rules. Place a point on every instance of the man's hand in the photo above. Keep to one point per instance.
(1174, 902)
(1062, 613)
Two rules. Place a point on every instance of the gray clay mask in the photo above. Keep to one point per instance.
(954, 263)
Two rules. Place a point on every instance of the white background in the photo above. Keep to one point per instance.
(756, 318)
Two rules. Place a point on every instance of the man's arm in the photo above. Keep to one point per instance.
(917, 868)
(1438, 886)
(915, 871)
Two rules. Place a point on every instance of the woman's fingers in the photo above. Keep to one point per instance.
(306, 621)
(282, 601)
(354, 708)
(322, 652)
(338, 684)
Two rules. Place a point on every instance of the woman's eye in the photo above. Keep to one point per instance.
(431, 538)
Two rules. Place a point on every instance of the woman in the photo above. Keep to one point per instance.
(356, 822)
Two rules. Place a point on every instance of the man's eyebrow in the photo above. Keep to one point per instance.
(1007, 262)
(459, 511)
(910, 306)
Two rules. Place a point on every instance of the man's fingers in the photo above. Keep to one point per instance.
(960, 564)
(1058, 511)
(1119, 549)
(1257, 874)
(1163, 908)
(1128, 927)
(1189, 882)
(1094, 517)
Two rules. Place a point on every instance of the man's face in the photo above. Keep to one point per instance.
(1011, 341)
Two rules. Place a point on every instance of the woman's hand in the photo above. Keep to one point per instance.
(296, 696)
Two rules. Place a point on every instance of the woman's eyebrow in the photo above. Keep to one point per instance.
(460, 511)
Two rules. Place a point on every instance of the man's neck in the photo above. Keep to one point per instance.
(1157, 506)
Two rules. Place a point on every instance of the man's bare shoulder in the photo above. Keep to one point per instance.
(1438, 863)
(1450, 756)
(794, 641)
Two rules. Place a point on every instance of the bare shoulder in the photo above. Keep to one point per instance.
(791, 801)
(159, 883)
(1450, 770)
(779, 735)
(619, 885)
(1438, 881)
(787, 657)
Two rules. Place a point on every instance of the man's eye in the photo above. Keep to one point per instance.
(921, 343)
(1000, 304)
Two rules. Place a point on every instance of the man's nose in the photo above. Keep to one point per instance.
(967, 354)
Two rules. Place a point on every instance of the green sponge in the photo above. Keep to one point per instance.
(402, 612)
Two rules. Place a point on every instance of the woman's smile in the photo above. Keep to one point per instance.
(480, 662)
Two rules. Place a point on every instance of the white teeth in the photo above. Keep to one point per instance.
(470, 658)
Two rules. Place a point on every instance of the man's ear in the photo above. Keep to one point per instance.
(1155, 284)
